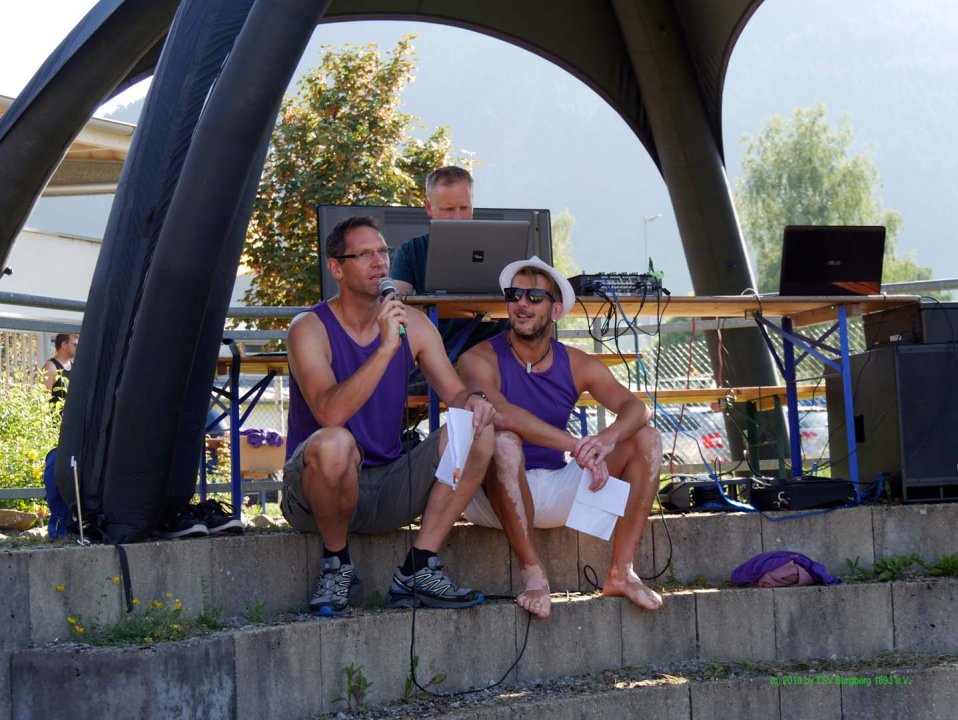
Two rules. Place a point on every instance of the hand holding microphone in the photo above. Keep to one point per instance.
(386, 288)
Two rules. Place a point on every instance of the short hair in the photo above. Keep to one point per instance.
(62, 338)
(448, 175)
(336, 240)
(554, 288)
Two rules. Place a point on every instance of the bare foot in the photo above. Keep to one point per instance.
(627, 584)
(535, 599)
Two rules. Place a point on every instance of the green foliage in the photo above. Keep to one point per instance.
(29, 429)
(409, 687)
(895, 567)
(945, 566)
(854, 571)
(562, 226)
(801, 171)
(256, 614)
(357, 687)
(160, 621)
(341, 139)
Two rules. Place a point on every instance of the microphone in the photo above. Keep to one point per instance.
(386, 288)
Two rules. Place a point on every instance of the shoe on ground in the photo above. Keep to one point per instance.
(184, 525)
(218, 517)
(431, 588)
(333, 588)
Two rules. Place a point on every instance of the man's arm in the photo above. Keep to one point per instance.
(480, 371)
(439, 372)
(50, 374)
(310, 362)
(592, 376)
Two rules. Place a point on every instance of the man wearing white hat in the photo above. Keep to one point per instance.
(534, 382)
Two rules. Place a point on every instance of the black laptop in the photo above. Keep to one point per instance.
(832, 260)
(466, 256)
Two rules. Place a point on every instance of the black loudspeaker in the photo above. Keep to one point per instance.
(925, 323)
(906, 419)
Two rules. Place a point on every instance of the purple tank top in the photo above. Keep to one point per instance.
(378, 424)
(549, 395)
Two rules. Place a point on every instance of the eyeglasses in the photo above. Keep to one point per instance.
(533, 295)
(367, 255)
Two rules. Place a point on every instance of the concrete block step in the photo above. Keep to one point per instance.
(298, 669)
(275, 572)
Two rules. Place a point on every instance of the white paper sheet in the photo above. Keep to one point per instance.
(459, 434)
(611, 498)
(595, 513)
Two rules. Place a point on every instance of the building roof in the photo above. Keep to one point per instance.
(95, 159)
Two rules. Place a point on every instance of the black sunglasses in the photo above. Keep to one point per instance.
(533, 295)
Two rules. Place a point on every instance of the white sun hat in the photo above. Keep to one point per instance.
(508, 274)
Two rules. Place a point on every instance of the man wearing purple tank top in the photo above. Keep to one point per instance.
(534, 382)
(349, 362)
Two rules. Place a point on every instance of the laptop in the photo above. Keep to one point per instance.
(832, 260)
(465, 257)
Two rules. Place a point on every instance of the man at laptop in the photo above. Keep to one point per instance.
(534, 381)
(448, 197)
(349, 359)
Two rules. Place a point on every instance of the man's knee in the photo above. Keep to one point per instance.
(645, 447)
(508, 453)
(329, 454)
(484, 443)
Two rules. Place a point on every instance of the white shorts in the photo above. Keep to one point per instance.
(552, 494)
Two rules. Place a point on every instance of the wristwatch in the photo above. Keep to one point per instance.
(481, 394)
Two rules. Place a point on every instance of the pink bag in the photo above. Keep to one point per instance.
(785, 576)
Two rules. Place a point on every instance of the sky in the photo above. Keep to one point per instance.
(545, 140)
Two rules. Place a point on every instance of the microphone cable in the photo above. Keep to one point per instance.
(413, 660)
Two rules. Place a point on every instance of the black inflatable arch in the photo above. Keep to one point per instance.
(137, 402)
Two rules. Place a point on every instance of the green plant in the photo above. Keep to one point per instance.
(357, 687)
(256, 614)
(160, 621)
(854, 571)
(409, 688)
(29, 428)
(895, 567)
(945, 566)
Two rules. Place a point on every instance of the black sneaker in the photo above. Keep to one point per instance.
(333, 587)
(184, 524)
(433, 589)
(218, 517)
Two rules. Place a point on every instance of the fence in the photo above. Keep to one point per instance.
(666, 364)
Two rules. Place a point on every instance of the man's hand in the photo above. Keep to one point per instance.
(392, 316)
(483, 413)
(590, 453)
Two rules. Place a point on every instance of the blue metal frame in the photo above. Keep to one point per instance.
(235, 400)
(787, 364)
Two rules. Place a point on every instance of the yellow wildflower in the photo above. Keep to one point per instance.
(79, 628)
(168, 595)
(72, 621)
(32, 455)
(61, 587)
(157, 604)
(135, 601)
(177, 605)
(116, 579)
(37, 473)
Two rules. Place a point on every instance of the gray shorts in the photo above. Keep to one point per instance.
(390, 496)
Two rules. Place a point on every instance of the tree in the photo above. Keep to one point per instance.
(341, 139)
(800, 171)
(562, 226)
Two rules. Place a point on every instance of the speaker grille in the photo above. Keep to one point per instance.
(928, 421)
